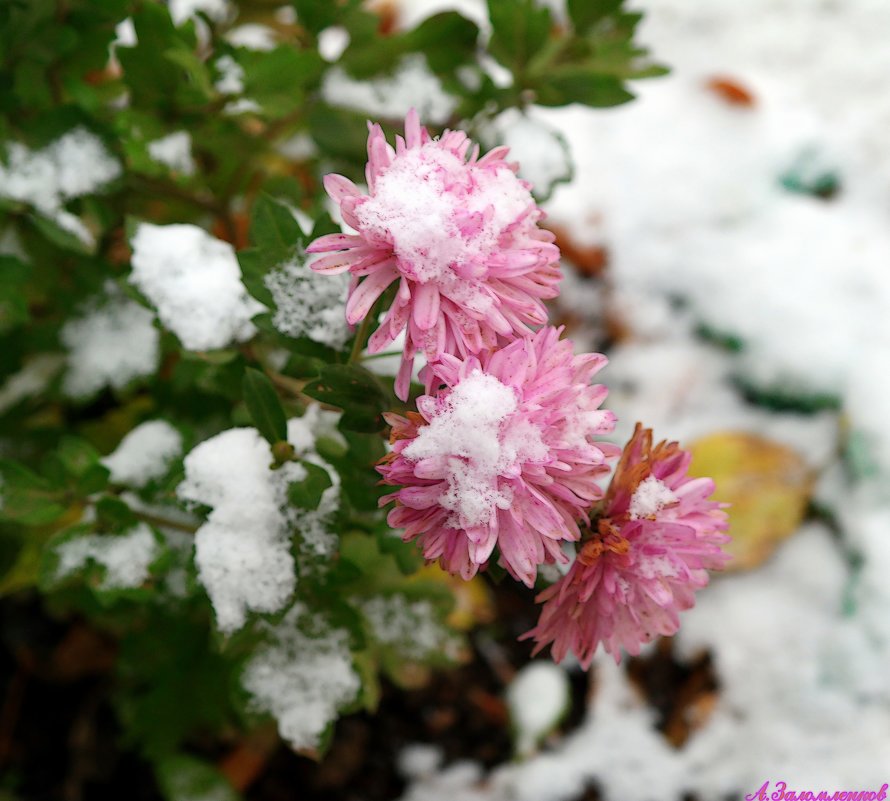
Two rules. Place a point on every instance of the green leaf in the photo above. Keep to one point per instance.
(273, 227)
(264, 406)
(77, 455)
(277, 79)
(354, 390)
(520, 28)
(587, 13)
(580, 85)
(26, 497)
(447, 40)
(307, 493)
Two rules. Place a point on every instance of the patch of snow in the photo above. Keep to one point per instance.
(194, 281)
(113, 342)
(537, 698)
(309, 304)
(470, 432)
(412, 85)
(32, 379)
(302, 677)
(540, 149)
(411, 627)
(649, 498)
(174, 151)
(243, 551)
(183, 10)
(332, 42)
(252, 36)
(74, 165)
(126, 558)
(144, 454)
(231, 76)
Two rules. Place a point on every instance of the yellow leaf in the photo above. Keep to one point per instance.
(767, 484)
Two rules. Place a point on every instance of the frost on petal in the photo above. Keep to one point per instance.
(126, 558)
(308, 304)
(302, 676)
(194, 281)
(460, 235)
(144, 454)
(113, 342)
(505, 455)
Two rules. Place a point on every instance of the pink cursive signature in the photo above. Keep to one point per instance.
(782, 793)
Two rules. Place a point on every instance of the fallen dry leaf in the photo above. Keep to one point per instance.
(767, 484)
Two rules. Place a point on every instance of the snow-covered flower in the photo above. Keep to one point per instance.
(651, 549)
(504, 454)
(457, 232)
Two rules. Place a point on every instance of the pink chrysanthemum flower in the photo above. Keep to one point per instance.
(458, 233)
(505, 454)
(652, 548)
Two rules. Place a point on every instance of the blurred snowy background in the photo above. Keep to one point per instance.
(730, 230)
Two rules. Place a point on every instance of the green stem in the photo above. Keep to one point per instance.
(163, 522)
(359, 343)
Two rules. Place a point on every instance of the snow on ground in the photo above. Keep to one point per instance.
(698, 203)
(194, 281)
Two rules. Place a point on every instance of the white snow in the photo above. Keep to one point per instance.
(243, 551)
(412, 85)
(332, 42)
(144, 454)
(411, 627)
(113, 342)
(470, 433)
(194, 281)
(231, 76)
(309, 304)
(302, 676)
(649, 498)
(537, 698)
(126, 558)
(183, 10)
(416, 206)
(74, 165)
(174, 151)
(252, 36)
(539, 148)
(32, 379)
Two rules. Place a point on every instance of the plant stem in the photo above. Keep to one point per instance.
(163, 522)
(359, 343)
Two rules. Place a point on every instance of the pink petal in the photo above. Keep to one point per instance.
(367, 292)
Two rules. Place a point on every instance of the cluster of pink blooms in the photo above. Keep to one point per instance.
(503, 458)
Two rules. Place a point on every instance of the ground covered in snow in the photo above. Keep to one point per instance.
(743, 207)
